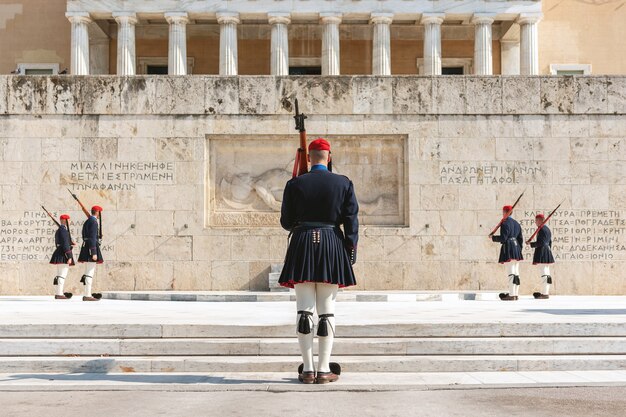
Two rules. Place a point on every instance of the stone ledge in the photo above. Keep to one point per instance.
(341, 95)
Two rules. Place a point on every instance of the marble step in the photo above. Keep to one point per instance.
(445, 363)
(283, 294)
(289, 346)
(387, 330)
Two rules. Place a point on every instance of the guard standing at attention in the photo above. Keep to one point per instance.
(320, 256)
(543, 255)
(90, 253)
(62, 257)
(511, 241)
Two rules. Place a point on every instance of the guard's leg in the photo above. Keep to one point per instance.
(517, 280)
(326, 296)
(62, 270)
(305, 301)
(547, 279)
(87, 280)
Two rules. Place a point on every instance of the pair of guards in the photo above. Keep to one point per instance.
(511, 241)
(90, 255)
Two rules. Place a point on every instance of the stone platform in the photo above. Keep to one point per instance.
(39, 335)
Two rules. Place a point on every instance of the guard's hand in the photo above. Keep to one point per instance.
(69, 261)
(94, 257)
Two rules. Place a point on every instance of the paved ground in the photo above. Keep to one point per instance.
(564, 309)
(546, 402)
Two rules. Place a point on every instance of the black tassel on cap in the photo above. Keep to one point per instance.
(304, 323)
(322, 329)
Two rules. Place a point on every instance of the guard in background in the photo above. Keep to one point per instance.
(511, 241)
(62, 257)
(543, 256)
(90, 253)
(319, 258)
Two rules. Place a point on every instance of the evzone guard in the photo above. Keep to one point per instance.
(511, 242)
(90, 253)
(62, 256)
(319, 258)
(543, 255)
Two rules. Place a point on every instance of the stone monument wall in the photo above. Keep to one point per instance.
(190, 172)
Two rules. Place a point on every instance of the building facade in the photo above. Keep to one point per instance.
(275, 37)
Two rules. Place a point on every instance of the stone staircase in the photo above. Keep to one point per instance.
(401, 347)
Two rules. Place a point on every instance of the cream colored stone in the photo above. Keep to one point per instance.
(156, 276)
(551, 149)
(616, 95)
(97, 149)
(520, 95)
(401, 248)
(11, 173)
(230, 275)
(607, 126)
(589, 148)
(566, 172)
(27, 95)
(63, 96)
(613, 172)
(425, 222)
(257, 95)
(422, 276)
(412, 95)
(372, 95)
(617, 196)
(135, 149)
(549, 196)
(591, 196)
(514, 149)
(479, 248)
(440, 197)
(245, 248)
(10, 279)
(572, 278)
(477, 197)
(192, 276)
(154, 223)
(376, 276)
(138, 95)
(179, 95)
(177, 197)
(100, 95)
(258, 276)
(141, 197)
(616, 148)
(4, 94)
(484, 95)
(22, 149)
(567, 126)
(444, 248)
(20, 197)
(558, 94)
(450, 95)
(211, 248)
(608, 278)
(592, 95)
(118, 276)
(313, 95)
(175, 248)
(60, 149)
(175, 149)
(135, 248)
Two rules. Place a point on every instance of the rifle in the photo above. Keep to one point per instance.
(80, 204)
(52, 217)
(495, 229)
(544, 222)
(301, 164)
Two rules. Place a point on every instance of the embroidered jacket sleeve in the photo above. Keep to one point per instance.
(350, 221)
(90, 235)
(287, 210)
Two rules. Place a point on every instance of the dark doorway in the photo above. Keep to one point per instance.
(305, 70)
(452, 71)
(156, 69)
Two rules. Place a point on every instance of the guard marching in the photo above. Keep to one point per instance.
(320, 256)
(90, 253)
(62, 257)
(511, 241)
(543, 255)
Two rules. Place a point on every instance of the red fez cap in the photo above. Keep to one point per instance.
(507, 208)
(96, 208)
(540, 216)
(319, 144)
(65, 216)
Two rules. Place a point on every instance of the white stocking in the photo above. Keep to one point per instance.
(90, 271)
(305, 301)
(326, 296)
(62, 270)
(510, 270)
(546, 274)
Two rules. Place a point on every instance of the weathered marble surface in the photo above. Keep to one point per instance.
(161, 153)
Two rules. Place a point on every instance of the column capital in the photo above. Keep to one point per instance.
(529, 18)
(381, 18)
(483, 18)
(279, 18)
(174, 18)
(125, 17)
(224, 18)
(432, 18)
(78, 17)
(329, 18)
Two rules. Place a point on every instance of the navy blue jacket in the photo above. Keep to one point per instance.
(90, 235)
(510, 228)
(544, 238)
(62, 241)
(321, 196)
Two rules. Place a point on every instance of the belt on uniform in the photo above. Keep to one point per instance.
(315, 225)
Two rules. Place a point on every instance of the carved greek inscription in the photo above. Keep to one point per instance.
(583, 234)
(486, 173)
(116, 175)
(30, 237)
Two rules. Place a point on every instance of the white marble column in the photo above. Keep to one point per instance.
(483, 56)
(509, 57)
(125, 42)
(529, 43)
(279, 53)
(330, 43)
(381, 44)
(80, 42)
(228, 43)
(177, 51)
(432, 42)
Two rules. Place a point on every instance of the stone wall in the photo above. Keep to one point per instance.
(190, 170)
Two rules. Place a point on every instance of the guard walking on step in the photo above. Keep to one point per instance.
(62, 257)
(543, 255)
(511, 241)
(90, 253)
(320, 256)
